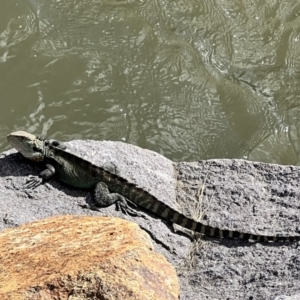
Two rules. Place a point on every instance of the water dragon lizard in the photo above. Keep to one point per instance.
(110, 188)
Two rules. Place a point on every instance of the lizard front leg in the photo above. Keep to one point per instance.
(45, 175)
(104, 198)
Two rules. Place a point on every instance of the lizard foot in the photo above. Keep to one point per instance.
(122, 205)
(33, 182)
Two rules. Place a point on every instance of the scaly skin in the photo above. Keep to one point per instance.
(110, 188)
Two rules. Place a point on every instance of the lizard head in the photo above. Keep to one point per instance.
(27, 144)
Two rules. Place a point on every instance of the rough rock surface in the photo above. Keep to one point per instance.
(239, 195)
(71, 257)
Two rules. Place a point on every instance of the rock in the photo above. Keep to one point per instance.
(238, 194)
(70, 257)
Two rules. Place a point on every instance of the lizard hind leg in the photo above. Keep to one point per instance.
(104, 198)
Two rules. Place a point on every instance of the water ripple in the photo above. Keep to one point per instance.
(189, 79)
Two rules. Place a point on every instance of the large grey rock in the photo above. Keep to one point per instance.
(239, 195)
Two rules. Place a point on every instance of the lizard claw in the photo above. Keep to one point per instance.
(33, 182)
(132, 203)
(122, 205)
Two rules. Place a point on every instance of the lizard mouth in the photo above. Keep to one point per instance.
(27, 144)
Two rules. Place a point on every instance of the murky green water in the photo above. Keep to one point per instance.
(190, 79)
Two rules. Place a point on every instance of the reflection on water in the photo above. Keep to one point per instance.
(190, 79)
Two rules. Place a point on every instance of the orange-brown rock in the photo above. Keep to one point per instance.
(71, 257)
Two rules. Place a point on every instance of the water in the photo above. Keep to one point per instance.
(189, 79)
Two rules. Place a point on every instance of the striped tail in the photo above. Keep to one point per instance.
(147, 201)
(175, 217)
